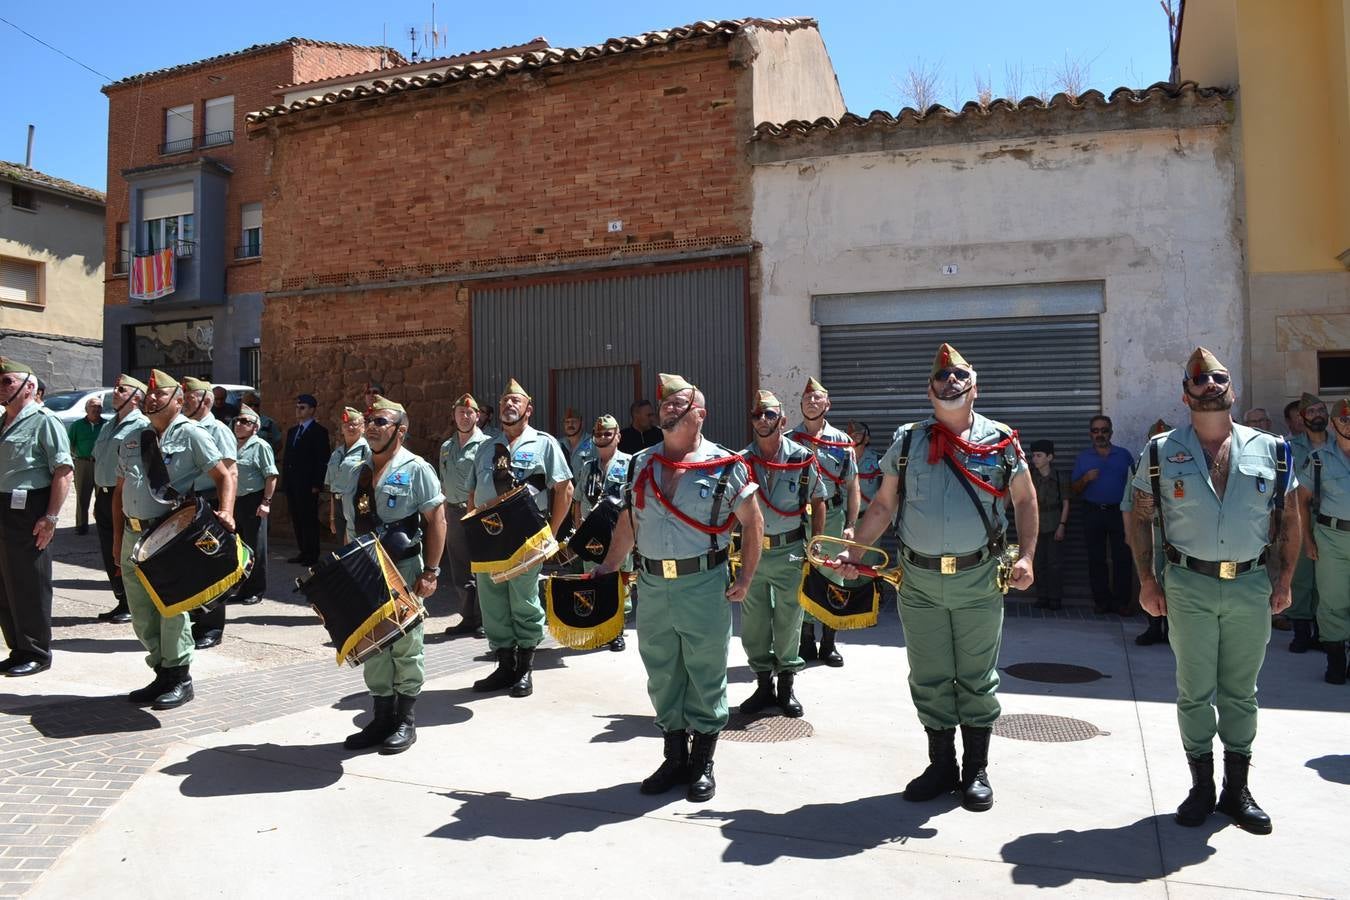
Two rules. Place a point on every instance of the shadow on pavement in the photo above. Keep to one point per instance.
(288, 768)
(433, 707)
(305, 617)
(624, 727)
(96, 645)
(70, 716)
(503, 815)
(81, 584)
(823, 830)
(1332, 767)
(1124, 855)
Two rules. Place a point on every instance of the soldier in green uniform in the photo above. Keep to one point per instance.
(686, 494)
(839, 468)
(579, 446)
(869, 464)
(344, 467)
(1324, 497)
(791, 493)
(1302, 612)
(208, 623)
(256, 471)
(125, 404)
(944, 480)
(405, 485)
(189, 452)
(1218, 489)
(36, 471)
(456, 462)
(603, 472)
(512, 615)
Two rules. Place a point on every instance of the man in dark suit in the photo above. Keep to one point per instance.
(304, 461)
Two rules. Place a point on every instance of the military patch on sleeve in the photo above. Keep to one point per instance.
(1180, 456)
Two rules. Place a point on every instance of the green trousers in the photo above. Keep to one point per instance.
(400, 667)
(684, 633)
(1333, 583)
(771, 614)
(953, 630)
(626, 567)
(1219, 630)
(1304, 589)
(512, 614)
(167, 640)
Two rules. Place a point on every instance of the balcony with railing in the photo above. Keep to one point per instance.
(248, 250)
(182, 145)
(217, 138)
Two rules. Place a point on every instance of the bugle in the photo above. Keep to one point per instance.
(817, 558)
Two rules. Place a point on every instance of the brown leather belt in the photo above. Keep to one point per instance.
(773, 541)
(674, 568)
(1223, 570)
(1332, 522)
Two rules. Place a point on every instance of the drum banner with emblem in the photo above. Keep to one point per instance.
(355, 593)
(584, 611)
(506, 531)
(190, 559)
(841, 607)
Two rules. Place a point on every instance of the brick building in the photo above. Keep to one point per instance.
(182, 178)
(578, 218)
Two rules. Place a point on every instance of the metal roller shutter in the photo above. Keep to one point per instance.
(1041, 376)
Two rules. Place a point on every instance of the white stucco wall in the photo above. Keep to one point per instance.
(1151, 213)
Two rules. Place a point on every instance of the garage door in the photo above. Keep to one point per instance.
(597, 343)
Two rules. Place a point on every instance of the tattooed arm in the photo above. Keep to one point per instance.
(1282, 554)
(1139, 530)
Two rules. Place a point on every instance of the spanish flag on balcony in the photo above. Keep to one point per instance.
(152, 276)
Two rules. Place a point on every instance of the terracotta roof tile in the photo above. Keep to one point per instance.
(938, 116)
(22, 174)
(532, 61)
(247, 51)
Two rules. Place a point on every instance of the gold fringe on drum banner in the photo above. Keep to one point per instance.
(585, 613)
(207, 594)
(537, 540)
(394, 580)
(841, 607)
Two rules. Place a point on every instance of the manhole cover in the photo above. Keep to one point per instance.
(1053, 673)
(1045, 729)
(767, 730)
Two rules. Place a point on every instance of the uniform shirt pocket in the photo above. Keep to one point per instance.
(1260, 476)
(1181, 486)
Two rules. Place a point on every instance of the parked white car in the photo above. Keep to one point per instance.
(69, 405)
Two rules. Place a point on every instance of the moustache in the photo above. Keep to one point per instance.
(1319, 424)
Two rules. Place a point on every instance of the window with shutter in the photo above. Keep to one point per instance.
(219, 127)
(20, 281)
(177, 129)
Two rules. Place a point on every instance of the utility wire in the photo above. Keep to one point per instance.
(106, 78)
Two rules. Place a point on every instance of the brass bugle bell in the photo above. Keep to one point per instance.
(817, 558)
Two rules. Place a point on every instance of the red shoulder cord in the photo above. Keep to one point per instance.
(780, 467)
(646, 478)
(824, 442)
(942, 441)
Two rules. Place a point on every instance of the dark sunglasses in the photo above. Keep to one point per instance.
(768, 414)
(381, 422)
(944, 374)
(1219, 378)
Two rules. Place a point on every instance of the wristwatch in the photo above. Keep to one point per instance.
(434, 570)
(55, 520)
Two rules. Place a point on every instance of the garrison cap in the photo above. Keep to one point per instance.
(1341, 408)
(671, 384)
(246, 412)
(766, 400)
(349, 413)
(1158, 428)
(159, 380)
(13, 367)
(513, 387)
(604, 422)
(813, 386)
(947, 356)
(1202, 361)
(467, 400)
(125, 379)
(191, 383)
(384, 403)
(1307, 400)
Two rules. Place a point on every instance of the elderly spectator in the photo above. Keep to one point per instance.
(1257, 417)
(82, 436)
(1099, 477)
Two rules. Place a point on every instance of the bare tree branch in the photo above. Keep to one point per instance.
(919, 86)
(1013, 76)
(984, 94)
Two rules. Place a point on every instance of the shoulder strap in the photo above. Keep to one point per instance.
(1282, 465)
(902, 467)
(1317, 484)
(714, 518)
(995, 538)
(803, 484)
(1155, 484)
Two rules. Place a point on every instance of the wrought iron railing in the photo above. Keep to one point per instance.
(249, 250)
(179, 146)
(217, 138)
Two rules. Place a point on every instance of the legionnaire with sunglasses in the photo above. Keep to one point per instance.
(404, 486)
(771, 614)
(1306, 586)
(512, 615)
(126, 398)
(603, 473)
(36, 472)
(946, 480)
(1219, 491)
(256, 470)
(1324, 497)
(188, 452)
(456, 462)
(839, 469)
(208, 623)
(686, 494)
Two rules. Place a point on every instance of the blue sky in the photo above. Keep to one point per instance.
(873, 46)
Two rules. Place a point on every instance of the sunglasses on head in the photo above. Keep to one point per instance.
(944, 374)
(771, 415)
(1220, 378)
(381, 422)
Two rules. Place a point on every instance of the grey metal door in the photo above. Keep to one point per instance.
(593, 391)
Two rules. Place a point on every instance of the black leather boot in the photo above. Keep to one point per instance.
(1303, 640)
(808, 648)
(1153, 634)
(151, 690)
(976, 794)
(1335, 651)
(828, 655)
(471, 620)
(380, 726)
(1236, 801)
(787, 701)
(404, 734)
(119, 614)
(675, 769)
(1199, 803)
(762, 698)
(501, 677)
(942, 776)
(178, 688)
(524, 685)
(702, 787)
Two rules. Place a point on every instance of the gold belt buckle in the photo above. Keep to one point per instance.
(949, 565)
(1228, 570)
(668, 569)
(135, 524)
(768, 542)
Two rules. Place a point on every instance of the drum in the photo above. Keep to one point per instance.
(190, 559)
(361, 599)
(508, 535)
(590, 540)
(585, 612)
